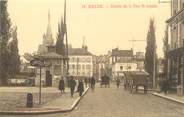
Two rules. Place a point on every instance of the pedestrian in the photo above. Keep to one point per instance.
(165, 86)
(92, 81)
(62, 85)
(72, 85)
(107, 78)
(117, 82)
(86, 81)
(80, 87)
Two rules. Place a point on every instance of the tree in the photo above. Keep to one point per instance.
(60, 46)
(150, 55)
(165, 50)
(5, 35)
(14, 63)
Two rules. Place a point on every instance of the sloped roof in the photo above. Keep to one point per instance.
(51, 55)
(124, 53)
(78, 51)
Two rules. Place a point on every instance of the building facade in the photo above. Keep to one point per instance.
(102, 66)
(175, 70)
(80, 62)
(123, 65)
(121, 60)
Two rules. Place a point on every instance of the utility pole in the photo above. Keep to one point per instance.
(154, 67)
(66, 35)
(77, 66)
(133, 41)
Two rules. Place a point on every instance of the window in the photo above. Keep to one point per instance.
(83, 66)
(73, 66)
(88, 59)
(121, 67)
(70, 67)
(88, 66)
(129, 67)
(57, 70)
(73, 59)
(79, 66)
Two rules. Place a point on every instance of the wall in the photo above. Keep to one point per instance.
(85, 66)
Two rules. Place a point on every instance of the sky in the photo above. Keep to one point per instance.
(105, 24)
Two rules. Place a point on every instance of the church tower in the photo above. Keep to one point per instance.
(47, 38)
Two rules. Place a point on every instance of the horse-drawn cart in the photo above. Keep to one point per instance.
(105, 80)
(134, 79)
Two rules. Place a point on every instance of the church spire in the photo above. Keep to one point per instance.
(49, 32)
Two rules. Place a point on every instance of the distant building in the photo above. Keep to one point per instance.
(117, 54)
(50, 74)
(80, 62)
(117, 61)
(160, 70)
(175, 70)
(26, 76)
(139, 58)
(95, 66)
(121, 60)
(102, 66)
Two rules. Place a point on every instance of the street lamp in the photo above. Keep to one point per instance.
(38, 62)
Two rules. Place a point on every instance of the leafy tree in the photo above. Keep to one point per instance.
(5, 34)
(150, 55)
(14, 63)
(9, 57)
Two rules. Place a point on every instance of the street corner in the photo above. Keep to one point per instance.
(170, 97)
(52, 108)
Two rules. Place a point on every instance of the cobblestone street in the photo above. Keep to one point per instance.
(113, 102)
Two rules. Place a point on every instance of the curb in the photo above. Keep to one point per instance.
(168, 98)
(149, 89)
(45, 110)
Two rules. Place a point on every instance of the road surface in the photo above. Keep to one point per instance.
(113, 102)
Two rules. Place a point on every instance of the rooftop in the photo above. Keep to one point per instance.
(78, 51)
(124, 53)
(50, 55)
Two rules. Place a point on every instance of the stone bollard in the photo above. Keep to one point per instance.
(29, 100)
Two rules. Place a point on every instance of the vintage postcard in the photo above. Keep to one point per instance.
(91, 58)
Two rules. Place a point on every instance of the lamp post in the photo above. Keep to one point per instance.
(38, 62)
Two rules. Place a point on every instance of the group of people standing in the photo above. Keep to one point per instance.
(72, 84)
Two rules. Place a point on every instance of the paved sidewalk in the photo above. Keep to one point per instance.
(61, 103)
(171, 97)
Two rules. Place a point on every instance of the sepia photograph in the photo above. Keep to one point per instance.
(91, 58)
